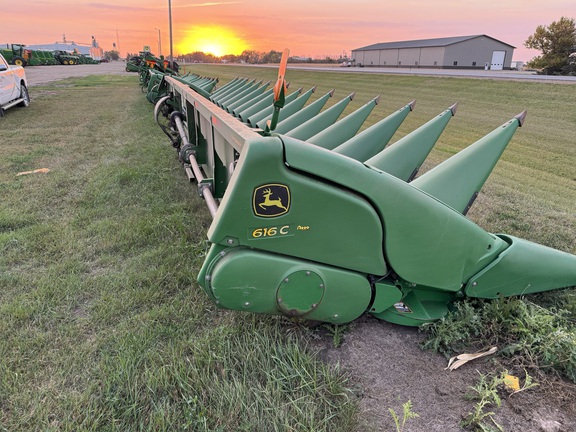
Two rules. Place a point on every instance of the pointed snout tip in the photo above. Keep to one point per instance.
(453, 109)
(521, 117)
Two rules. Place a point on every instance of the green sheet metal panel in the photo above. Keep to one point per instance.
(254, 281)
(270, 207)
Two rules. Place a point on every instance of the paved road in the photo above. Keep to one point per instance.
(38, 75)
(463, 73)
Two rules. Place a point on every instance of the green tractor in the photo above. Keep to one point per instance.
(86, 59)
(45, 57)
(133, 63)
(65, 58)
(16, 54)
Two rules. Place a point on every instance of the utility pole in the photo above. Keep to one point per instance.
(170, 19)
(159, 42)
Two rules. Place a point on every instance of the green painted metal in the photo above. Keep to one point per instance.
(249, 97)
(386, 295)
(207, 85)
(226, 86)
(426, 242)
(296, 118)
(418, 305)
(203, 89)
(247, 218)
(65, 58)
(374, 139)
(404, 158)
(343, 129)
(238, 94)
(321, 121)
(216, 97)
(230, 87)
(458, 180)
(256, 105)
(325, 235)
(156, 88)
(248, 91)
(243, 279)
(293, 103)
(523, 268)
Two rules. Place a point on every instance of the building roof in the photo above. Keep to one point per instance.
(82, 49)
(424, 43)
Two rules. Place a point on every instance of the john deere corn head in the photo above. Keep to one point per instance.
(316, 221)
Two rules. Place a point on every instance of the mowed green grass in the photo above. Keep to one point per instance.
(103, 325)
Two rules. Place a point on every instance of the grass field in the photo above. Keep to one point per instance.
(103, 324)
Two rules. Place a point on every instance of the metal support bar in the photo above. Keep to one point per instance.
(205, 192)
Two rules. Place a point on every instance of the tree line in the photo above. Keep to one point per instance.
(557, 43)
(251, 57)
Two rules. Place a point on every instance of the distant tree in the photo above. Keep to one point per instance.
(199, 57)
(556, 42)
(252, 57)
(230, 58)
(272, 57)
(112, 55)
(570, 69)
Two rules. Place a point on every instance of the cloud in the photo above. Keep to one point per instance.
(207, 4)
(118, 7)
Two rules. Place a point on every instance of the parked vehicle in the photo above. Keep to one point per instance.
(66, 58)
(15, 54)
(13, 86)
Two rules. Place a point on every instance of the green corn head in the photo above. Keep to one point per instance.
(323, 223)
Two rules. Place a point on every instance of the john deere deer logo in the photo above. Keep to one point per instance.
(271, 200)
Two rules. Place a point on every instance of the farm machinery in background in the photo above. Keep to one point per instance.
(314, 220)
(65, 58)
(146, 60)
(17, 54)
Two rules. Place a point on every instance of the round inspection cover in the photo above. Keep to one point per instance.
(300, 293)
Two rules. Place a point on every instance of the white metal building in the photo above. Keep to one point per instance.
(93, 50)
(461, 52)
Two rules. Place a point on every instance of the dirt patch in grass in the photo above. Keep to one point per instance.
(389, 368)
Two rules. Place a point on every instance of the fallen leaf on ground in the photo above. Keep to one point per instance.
(36, 171)
(512, 382)
(459, 360)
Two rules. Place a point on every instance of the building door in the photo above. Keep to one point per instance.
(498, 60)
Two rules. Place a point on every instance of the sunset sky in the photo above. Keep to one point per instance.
(308, 28)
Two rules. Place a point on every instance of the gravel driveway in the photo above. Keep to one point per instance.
(38, 75)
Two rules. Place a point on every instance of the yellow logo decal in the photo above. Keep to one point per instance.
(271, 200)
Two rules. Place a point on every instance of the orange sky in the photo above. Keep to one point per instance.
(307, 27)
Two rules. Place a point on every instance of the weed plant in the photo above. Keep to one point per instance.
(486, 395)
(532, 336)
(407, 414)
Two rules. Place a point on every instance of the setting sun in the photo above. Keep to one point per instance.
(212, 39)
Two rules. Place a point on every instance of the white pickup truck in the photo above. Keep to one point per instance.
(13, 86)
